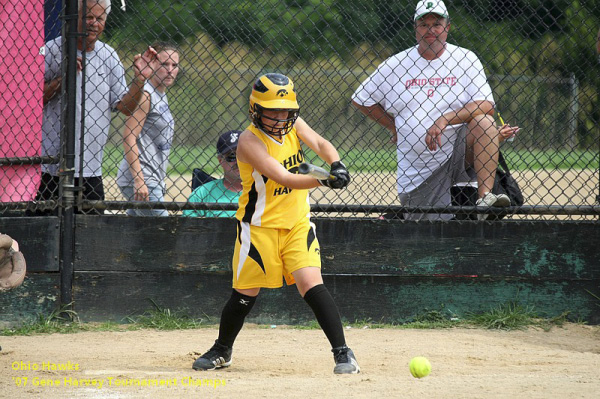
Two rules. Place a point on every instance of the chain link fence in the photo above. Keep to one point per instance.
(539, 58)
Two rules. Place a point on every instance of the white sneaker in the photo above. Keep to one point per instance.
(345, 362)
(490, 199)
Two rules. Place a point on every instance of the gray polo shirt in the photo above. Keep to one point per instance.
(105, 86)
(154, 142)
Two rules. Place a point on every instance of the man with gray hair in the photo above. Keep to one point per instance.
(105, 91)
(436, 101)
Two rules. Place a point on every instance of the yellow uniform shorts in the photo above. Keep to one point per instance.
(264, 256)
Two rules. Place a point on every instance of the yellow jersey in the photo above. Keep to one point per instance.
(264, 202)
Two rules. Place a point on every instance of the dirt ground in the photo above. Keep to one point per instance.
(284, 362)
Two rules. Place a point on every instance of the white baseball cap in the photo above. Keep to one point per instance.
(431, 6)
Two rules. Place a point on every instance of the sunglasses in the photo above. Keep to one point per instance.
(231, 157)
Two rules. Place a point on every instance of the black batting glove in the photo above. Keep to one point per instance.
(340, 177)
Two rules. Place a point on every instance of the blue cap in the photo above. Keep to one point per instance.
(228, 142)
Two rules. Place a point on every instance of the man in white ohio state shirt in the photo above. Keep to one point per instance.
(435, 99)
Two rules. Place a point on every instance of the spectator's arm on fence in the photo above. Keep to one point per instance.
(378, 114)
(132, 98)
(143, 68)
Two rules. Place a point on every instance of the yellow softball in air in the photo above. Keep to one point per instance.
(419, 367)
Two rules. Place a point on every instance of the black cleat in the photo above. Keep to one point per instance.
(345, 362)
(217, 357)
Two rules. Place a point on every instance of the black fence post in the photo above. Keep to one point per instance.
(67, 172)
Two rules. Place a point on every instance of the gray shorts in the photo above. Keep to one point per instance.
(435, 191)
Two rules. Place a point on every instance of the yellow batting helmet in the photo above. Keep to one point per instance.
(274, 91)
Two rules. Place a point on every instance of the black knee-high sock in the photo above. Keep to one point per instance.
(233, 316)
(321, 302)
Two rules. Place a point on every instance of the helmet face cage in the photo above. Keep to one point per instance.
(270, 125)
(274, 92)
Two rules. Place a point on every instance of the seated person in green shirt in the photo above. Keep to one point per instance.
(227, 189)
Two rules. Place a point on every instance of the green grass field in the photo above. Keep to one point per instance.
(184, 159)
(506, 316)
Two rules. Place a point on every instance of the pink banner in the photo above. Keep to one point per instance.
(21, 85)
